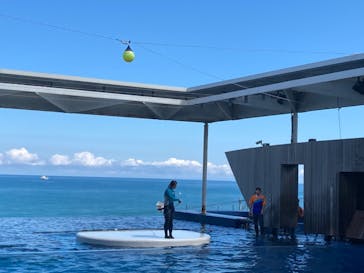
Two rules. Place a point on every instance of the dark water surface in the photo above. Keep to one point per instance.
(49, 245)
(39, 221)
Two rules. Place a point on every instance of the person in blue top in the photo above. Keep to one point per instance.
(169, 199)
(257, 203)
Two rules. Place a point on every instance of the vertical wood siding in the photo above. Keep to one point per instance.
(274, 169)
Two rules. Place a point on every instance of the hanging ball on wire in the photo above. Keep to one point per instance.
(128, 55)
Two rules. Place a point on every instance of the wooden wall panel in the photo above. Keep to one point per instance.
(323, 162)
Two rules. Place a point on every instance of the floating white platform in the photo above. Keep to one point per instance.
(142, 238)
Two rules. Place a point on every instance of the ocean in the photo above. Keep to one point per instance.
(40, 218)
(29, 196)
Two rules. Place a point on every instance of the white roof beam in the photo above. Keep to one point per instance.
(89, 94)
(62, 78)
(279, 72)
(280, 86)
(78, 105)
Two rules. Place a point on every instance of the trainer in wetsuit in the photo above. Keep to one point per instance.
(169, 198)
(256, 204)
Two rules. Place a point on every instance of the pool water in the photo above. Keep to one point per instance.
(39, 221)
(48, 244)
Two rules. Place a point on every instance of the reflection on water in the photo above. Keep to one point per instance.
(49, 245)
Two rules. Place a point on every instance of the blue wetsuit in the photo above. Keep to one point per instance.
(169, 198)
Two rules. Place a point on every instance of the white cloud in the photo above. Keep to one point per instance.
(170, 162)
(131, 167)
(183, 165)
(90, 160)
(86, 159)
(174, 162)
(22, 156)
(132, 162)
(60, 160)
(216, 169)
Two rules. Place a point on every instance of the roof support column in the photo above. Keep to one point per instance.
(294, 127)
(204, 167)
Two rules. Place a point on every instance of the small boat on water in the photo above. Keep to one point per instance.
(44, 177)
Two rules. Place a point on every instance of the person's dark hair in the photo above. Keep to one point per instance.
(258, 189)
(172, 183)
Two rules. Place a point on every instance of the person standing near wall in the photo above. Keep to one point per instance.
(256, 205)
(300, 211)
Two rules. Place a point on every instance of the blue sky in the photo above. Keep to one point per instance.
(233, 38)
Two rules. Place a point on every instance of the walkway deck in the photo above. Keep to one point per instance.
(223, 218)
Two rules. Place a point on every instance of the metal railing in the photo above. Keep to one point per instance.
(239, 205)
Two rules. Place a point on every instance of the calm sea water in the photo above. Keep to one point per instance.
(39, 220)
(30, 196)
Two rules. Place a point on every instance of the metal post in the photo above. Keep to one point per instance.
(294, 127)
(204, 167)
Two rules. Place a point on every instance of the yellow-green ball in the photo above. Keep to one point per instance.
(128, 56)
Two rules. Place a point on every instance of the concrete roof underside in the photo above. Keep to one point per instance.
(316, 86)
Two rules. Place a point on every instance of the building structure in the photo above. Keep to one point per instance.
(333, 182)
(329, 84)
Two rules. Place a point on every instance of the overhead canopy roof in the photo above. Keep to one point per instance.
(316, 86)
